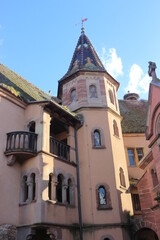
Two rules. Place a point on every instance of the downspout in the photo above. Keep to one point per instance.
(78, 187)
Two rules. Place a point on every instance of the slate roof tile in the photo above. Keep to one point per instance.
(22, 88)
(134, 113)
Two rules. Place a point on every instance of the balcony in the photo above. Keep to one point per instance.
(60, 149)
(22, 144)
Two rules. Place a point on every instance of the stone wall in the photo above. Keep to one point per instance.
(7, 232)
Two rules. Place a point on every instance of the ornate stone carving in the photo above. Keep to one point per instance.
(151, 69)
(11, 160)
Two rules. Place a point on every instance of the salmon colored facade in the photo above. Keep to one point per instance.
(64, 165)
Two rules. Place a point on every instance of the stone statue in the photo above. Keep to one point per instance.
(151, 70)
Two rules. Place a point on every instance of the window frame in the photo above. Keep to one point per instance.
(97, 138)
(67, 188)
(139, 155)
(102, 140)
(108, 204)
(28, 193)
(73, 97)
(115, 128)
(135, 156)
(92, 94)
(154, 177)
(111, 97)
(136, 201)
(122, 178)
(130, 155)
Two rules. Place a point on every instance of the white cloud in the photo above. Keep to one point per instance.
(138, 82)
(112, 62)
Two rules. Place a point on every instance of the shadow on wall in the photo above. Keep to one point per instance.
(145, 234)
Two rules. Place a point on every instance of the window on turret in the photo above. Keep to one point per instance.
(122, 178)
(93, 91)
(115, 128)
(111, 96)
(73, 95)
(97, 138)
(103, 197)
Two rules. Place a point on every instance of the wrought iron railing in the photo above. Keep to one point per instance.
(21, 141)
(60, 149)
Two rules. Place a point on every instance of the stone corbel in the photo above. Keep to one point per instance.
(11, 160)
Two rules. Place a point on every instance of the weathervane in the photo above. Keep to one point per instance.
(84, 20)
(82, 29)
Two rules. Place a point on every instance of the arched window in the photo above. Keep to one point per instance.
(103, 197)
(68, 191)
(115, 128)
(59, 188)
(97, 138)
(28, 186)
(24, 189)
(73, 95)
(111, 96)
(154, 177)
(33, 186)
(50, 187)
(93, 91)
(32, 126)
(122, 177)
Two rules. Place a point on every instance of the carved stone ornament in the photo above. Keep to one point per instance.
(11, 160)
(151, 68)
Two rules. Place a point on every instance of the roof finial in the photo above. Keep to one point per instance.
(82, 29)
(152, 70)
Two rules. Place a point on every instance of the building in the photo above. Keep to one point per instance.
(134, 113)
(63, 167)
(147, 224)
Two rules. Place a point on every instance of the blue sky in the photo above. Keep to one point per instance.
(38, 38)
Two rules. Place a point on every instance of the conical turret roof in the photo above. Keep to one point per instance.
(84, 57)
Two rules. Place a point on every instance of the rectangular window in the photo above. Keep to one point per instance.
(136, 202)
(139, 153)
(131, 157)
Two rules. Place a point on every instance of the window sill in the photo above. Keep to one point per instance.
(53, 202)
(104, 207)
(26, 203)
(116, 136)
(122, 187)
(98, 147)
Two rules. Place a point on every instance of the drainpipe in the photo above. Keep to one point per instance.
(78, 187)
